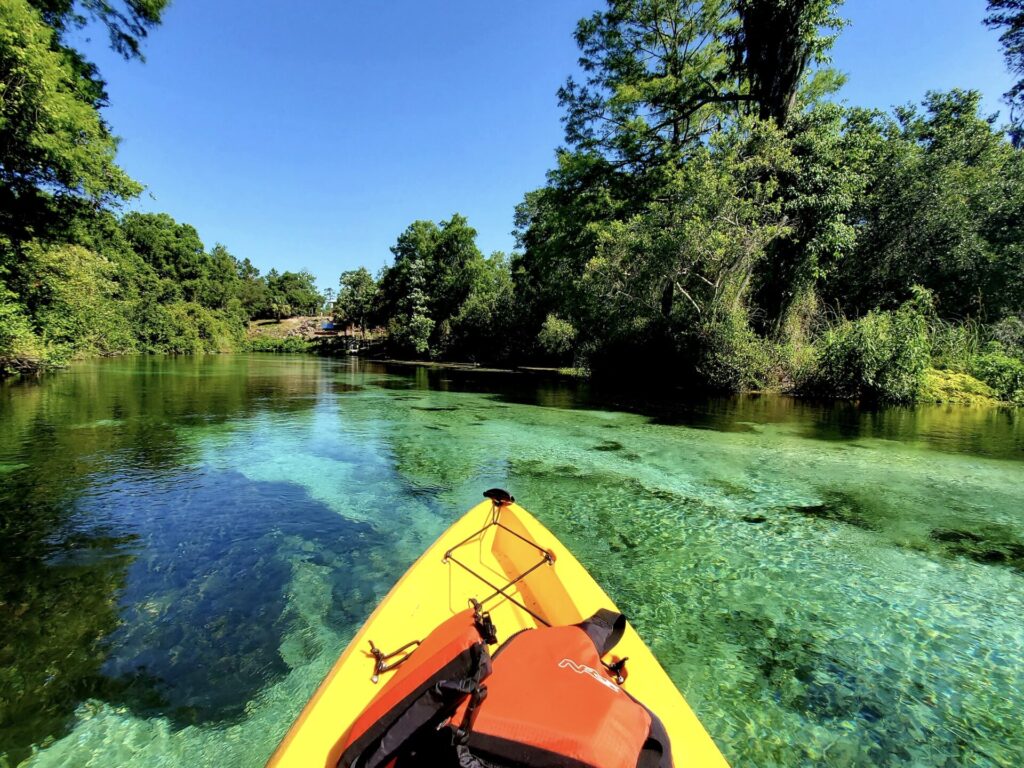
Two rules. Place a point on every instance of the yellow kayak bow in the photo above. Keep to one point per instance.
(500, 555)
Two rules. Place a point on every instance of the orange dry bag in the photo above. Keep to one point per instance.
(551, 702)
(443, 671)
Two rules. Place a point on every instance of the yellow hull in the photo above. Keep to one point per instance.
(434, 589)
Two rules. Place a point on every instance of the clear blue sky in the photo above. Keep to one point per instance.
(310, 133)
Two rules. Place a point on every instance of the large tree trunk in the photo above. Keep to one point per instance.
(667, 299)
(776, 53)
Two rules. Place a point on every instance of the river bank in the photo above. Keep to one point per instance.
(937, 387)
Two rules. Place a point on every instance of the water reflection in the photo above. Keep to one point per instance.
(827, 585)
(81, 455)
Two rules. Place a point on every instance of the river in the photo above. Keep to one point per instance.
(187, 544)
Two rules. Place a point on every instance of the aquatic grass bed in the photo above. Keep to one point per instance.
(826, 586)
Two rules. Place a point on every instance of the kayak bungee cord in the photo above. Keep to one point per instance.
(499, 500)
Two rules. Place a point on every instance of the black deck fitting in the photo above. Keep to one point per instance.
(499, 496)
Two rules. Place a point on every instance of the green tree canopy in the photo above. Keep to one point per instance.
(52, 137)
(1007, 16)
(128, 22)
(943, 208)
(294, 292)
(357, 296)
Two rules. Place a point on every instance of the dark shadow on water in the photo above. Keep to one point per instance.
(841, 507)
(992, 432)
(206, 593)
(988, 544)
(182, 619)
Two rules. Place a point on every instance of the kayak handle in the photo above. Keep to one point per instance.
(500, 496)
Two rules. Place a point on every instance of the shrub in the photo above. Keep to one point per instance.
(1005, 374)
(278, 344)
(880, 357)
(1009, 332)
(954, 346)
(184, 327)
(955, 387)
(21, 350)
(75, 301)
(734, 358)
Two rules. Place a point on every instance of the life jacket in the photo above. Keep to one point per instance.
(443, 671)
(544, 700)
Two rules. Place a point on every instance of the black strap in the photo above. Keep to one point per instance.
(657, 750)
(427, 706)
(605, 628)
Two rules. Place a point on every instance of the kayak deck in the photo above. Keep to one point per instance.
(483, 559)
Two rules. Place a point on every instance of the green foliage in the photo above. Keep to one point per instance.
(187, 328)
(943, 208)
(880, 357)
(1009, 332)
(732, 358)
(252, 292)
(662, 76)
(951, 387)
(776, 40)
(52, 136)
(291, 344)
(681, 270)
(482, 324)
(710, 216)
(293, 293)
(21, 350)
(557, 337)
(357, 297)
(127, 24)
(954, 345)
(1005, 374)
(76, 280)
(434, 297)
(146, 284)
(75, 301)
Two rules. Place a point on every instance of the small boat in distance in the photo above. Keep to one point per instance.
(516, 576)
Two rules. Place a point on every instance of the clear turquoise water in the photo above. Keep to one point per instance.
(187, 544)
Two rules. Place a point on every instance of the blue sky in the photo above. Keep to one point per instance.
(309, 134)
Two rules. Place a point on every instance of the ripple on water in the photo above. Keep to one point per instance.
(827, 586)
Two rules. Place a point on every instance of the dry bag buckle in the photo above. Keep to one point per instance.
(484, 624)
(381, 662)
(618, 669)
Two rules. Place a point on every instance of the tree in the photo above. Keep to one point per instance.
(357, 296)
(21, 349)
(252, 291)
(482, 326)
(411, 325)
(293, 292)
(657, 79)
(663, 74)
(430, 279)
(52, 137)
(75, 302)
(217, 287)
(127, 22)
(943, 208)
(173, 250)
(775, 43)
(1008, 16)
(665, 281)
(665, 81)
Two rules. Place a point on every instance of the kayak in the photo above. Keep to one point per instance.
(501, 558)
